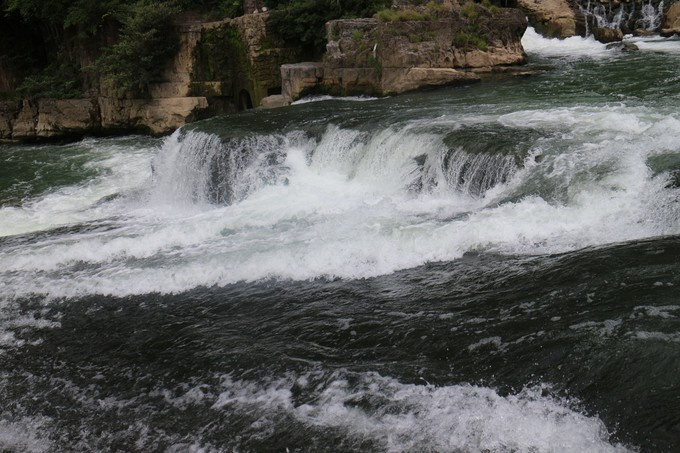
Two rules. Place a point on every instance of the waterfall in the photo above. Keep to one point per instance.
(199, 168)
(196, 168)
(651, 17)
(623, 16)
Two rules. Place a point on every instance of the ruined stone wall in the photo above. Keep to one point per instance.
(220, 67)
(371, 56)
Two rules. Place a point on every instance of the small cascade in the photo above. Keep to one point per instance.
(651, 17)
(475, 173)
(641, 14)
(195, 167)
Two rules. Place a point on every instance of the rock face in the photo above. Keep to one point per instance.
(220, 67)
(371, 56)
(551, 18)
(671, 23)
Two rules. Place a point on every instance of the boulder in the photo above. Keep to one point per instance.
(551, 18)
(672, 18)
(606, 35)
(624, 46)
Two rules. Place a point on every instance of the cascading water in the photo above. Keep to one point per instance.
(196, 167)
(484, 268)
(625, 16)
(651, 16)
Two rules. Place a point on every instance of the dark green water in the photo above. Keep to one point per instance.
(487, 268)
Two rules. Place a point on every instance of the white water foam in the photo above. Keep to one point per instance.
(324, 97)
(27, 434)
(119, 169)
(345, 209)
(657, 44)
(424, 418)
(571, 48)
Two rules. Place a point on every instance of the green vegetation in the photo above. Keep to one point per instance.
(357, 35)
(470, 10)
(301, 23)
(148, 39)
(60, 81)
(61, 48)
(467, 40)
(402, 15)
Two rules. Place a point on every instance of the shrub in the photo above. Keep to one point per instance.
(466, 40)
(301, 23)
(470, 10)
(387, 15)
(148, 39)
(404, 15)
(58, 81)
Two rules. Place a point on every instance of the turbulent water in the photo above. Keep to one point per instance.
(484, 268)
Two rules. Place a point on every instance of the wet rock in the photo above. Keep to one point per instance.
(551, 18)
(674, 182)
(669, 32)
(623, 46)
(607, 35)
(672, 19)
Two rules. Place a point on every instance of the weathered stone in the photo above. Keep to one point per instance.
(274, 101)
(671, 24)
(368, 56)
(67, 117)
(161, 116)
(298, 79)
(400, 80)
(551, 18)
(607, 35)
(8, 113)
(25, 124)
(672, 18)
(157, 116)
(624, 46)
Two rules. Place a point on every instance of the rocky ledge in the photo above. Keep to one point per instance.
(442, 46)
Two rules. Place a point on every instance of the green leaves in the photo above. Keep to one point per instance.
(148, 39)
(301, 23)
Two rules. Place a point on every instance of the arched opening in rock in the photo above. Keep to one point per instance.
(244, 100)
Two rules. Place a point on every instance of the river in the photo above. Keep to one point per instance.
(493, 267)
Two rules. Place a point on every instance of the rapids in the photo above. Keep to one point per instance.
(482, 268)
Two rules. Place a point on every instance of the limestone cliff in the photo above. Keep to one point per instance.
(220, 67)
(445, 45)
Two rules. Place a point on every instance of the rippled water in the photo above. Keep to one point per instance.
(485, 268)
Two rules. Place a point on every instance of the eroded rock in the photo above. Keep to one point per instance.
(551, 18)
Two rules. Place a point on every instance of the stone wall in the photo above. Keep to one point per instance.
(370, 56)
(220, 67)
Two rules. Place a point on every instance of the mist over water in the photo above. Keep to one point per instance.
(482, 268)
